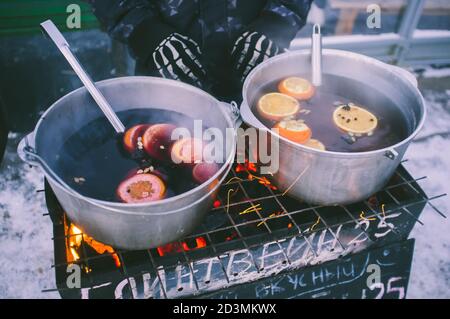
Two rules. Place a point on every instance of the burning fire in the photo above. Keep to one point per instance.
(200, 242)
(246, 167)
(250, 168)
(75, 238)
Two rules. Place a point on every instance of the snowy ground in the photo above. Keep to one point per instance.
(25, 234)
(430, 155)
(26, 248)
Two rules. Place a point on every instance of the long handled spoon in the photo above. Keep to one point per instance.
(316, 56)
(55, 35)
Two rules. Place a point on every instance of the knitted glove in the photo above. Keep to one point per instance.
(249, 50)
(178, 57)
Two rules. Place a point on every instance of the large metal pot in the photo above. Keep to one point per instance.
(129, 226)
(324, 177)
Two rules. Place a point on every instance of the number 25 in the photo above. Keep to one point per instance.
(390, 289)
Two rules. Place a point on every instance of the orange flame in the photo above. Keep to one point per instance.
(246, 167)
(75, 237)
(200, 242)
(250, 168)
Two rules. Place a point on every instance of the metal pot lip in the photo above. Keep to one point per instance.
(356, 56)
(149, 79)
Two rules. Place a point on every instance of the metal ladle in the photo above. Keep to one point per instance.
(316, 56)
(55, 35)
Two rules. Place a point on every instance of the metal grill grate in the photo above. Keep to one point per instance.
(253, 231)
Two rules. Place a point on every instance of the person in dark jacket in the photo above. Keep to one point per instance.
(213, 44)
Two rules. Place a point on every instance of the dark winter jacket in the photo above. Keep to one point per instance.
(213, 24)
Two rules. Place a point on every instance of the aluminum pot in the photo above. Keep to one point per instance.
(130, 226)
(325, 177)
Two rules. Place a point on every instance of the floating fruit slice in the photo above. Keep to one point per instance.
(131, 136)
(204, 171)
(296, 87)
(354, 119)
(277, 106)
(141, 188)
(294, 130)
(313, 143)
(161, 172)
(157, 140)
(187, 150)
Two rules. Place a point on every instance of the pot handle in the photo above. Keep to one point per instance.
(26, 149)
(28, 154)
(406, 74)
(232, 110)
(392, 154)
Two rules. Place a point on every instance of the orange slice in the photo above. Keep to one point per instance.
(294, 130)
(187, 151)
(276, 106)
(141, 188)
(296, 87)
(355, 119)
(131, 136)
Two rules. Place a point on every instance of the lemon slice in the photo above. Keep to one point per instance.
(277, 106)
(296, 87)
(313, 143)
(355, 119)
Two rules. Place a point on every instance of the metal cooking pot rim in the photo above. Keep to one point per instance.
(162, 201)
(357, 56)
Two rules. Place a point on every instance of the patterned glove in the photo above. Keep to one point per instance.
(249, 50)
(177, 58)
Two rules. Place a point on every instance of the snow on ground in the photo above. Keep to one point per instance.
(26, 248)
(429, 155)
(436, 73)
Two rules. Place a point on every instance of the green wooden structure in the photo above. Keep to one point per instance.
(22, 17)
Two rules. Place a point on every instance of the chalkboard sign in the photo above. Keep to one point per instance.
(372, 274)
(346, 278)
